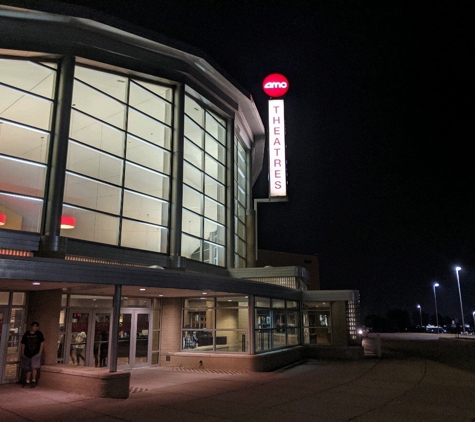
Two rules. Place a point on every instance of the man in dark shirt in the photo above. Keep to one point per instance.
(31, 349)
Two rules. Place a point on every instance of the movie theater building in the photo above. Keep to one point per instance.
(126, 222)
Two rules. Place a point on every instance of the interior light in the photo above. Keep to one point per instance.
(3, 219)
(68, 222)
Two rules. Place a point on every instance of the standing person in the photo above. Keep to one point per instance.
(32, 344)
(80, 345)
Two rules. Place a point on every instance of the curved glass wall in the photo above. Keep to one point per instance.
(118, 169)
(26, 107)
(204, 193)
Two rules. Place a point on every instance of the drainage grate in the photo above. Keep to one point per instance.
(137, 390)
(207, 371)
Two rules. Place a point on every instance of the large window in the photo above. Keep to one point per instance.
(216, 324)
(276, 324)
(204, 193)
(118, 168)
(26, 106)
(240, 200)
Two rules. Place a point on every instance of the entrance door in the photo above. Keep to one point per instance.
(10, 338)
(89, 337)
(102, 324)
(79, 338)
(134, 345)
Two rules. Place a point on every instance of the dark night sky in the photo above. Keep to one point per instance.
(378, 121)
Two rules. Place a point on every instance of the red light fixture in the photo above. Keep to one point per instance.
(68, 222)
(3, 219)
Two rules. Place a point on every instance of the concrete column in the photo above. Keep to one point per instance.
(170, 335)
(45, 306)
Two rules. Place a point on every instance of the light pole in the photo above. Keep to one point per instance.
(457, 269)
(420, 312)
(435, 301)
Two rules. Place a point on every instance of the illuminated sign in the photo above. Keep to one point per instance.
(277, 165)
(275, 85)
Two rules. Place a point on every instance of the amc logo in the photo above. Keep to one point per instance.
(275, 85)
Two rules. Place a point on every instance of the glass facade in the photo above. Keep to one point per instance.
(117, 183)
(26, 106)
(277, 324)
(240, 202)
(118, 168)
(216, 324)
(204, 181)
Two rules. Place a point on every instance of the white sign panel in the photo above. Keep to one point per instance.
(277, 168)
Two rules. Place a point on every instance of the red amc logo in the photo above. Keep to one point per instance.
(275, 85)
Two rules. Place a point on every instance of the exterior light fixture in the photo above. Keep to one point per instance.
(3, 219)
(420, 312)
(36, 283)
(457, 269)
(68, 222)
(435, 301)
(142, 289)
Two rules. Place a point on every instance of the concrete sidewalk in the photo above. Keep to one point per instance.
(366, 390)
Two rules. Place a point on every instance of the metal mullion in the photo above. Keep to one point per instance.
(124, 160)
(15, 123)
(134, 81)
(15, 88)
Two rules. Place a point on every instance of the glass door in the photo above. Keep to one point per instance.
(134, 345)
(3, 346)
(79, 339)
(102, 322)
(11, 321)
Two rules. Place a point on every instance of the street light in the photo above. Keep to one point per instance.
(457, 269)
(473, 315)
(435, 301)
(420, 312)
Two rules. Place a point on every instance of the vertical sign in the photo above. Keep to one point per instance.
(277, 166)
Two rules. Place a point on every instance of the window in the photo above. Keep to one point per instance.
(118, 169)
(204, 178)
(277, 324)
(240, 201)
(216, 324)
(26, 105)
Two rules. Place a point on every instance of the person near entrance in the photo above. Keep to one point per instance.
(189, 340)
(32, 344)
(79, 346)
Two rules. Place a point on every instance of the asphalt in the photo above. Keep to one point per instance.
(372, 389)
